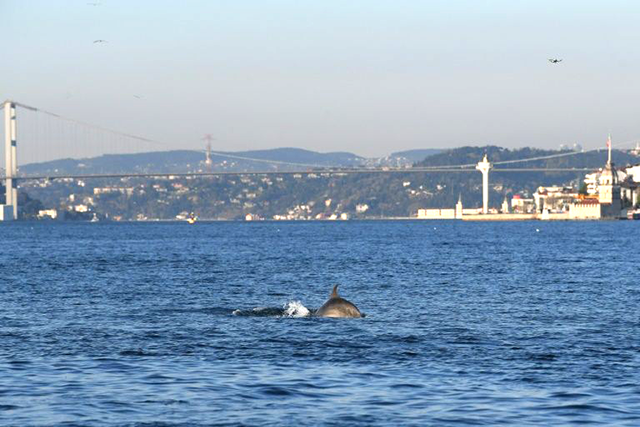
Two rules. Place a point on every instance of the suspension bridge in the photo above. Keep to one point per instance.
(52, 136)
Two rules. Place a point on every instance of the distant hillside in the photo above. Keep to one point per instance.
(298, 155)
(194, 161)
(416, 155)
(402, 158)
(370, 195)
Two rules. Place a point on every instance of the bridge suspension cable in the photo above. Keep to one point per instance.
(79, 122)
(157, 143)
(163, 143)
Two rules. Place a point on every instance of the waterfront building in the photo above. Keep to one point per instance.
(554, 198)
(585, 209)
(633, 173)
(521, 204)
(48, 214)
(591, 182)
(609, 191)
(609, 188)
(629, 193)
(362, 208)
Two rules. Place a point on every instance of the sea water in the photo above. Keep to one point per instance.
(523, 323)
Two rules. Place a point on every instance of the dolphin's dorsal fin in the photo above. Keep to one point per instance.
(334, 293)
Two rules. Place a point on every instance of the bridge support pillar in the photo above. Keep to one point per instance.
(11, 156)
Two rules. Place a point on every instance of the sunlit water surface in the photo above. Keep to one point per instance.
(528, 323)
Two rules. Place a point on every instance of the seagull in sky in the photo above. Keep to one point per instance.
(93, 4)
(554, 61)
(99, 41)
(136, 96)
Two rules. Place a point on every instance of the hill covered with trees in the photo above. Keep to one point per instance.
(321, 195)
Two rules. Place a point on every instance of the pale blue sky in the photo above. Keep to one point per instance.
(366, 76)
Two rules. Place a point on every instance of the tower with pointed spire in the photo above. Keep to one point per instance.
(609, 187)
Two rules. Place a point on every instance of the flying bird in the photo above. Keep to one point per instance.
(93, 4)
(555, 61)
(99, 41)
(137, 96)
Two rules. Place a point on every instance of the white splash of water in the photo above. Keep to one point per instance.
(295, 309)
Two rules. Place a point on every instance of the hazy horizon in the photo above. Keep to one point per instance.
(367, 77)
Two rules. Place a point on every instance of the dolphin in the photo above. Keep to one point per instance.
(337, 307)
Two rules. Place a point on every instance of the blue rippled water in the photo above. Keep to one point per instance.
(527, 323)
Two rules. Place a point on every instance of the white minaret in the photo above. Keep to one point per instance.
(484, 166)
(11, 156)
(459, 208)
(505, 205)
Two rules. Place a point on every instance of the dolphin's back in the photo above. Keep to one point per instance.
(338, 307)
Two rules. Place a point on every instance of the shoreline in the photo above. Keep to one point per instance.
(465, 218)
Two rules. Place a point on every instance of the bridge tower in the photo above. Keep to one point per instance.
(11, 156)
(484, 166)
(208, 162)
